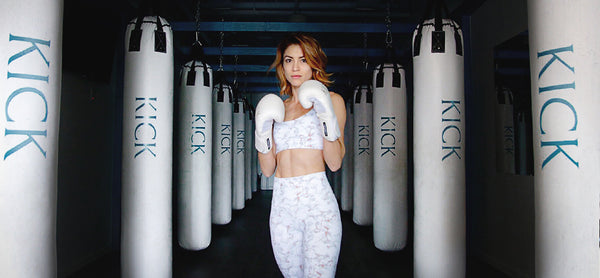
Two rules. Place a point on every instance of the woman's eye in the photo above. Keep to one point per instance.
(287, 60)
(303, 60)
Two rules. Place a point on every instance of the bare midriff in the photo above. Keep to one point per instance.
(299, 162)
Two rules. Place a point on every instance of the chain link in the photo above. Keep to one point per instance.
(388, 26)
(235, 63)
(365, 60)
(221, 38)
(197, 20)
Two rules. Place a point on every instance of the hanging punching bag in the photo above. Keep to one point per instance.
(254, 157)
(564, 47)
(31, 51)
(389, 158)
(521, 144)
(439, 150)
(222, 153)
(348, 160)
(253, 152)
(195, 156)
(248, 119)
(239, 146)
(363, 156)
(147, 149)
(505, 133)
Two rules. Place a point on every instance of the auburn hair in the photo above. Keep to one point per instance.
(313, 53)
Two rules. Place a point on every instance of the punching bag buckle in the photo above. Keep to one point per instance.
(438, 42)
(160, 41)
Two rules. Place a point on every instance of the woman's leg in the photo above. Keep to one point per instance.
(322, 231)
(286, 234)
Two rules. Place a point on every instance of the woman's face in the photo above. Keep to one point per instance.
(295, 67)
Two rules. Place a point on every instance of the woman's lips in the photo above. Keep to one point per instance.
(296, 76)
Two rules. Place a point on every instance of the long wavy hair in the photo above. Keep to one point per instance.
(314, 55)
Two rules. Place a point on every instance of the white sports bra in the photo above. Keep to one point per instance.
(300, 133)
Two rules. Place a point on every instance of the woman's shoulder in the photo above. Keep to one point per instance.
(336, 98)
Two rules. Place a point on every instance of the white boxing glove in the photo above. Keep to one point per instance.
(314, 93)
(270, 108)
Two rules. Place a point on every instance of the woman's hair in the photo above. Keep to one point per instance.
(314, 55)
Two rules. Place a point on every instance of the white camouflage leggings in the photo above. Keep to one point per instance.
(306, 228)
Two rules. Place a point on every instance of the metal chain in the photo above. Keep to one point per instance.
(365, 60)
(221, 38)
(235, 59)
(388, 26)
(197, 20)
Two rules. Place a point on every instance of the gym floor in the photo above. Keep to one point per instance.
(242, 248)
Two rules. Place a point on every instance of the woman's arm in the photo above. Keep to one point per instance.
(267, 162)
(333, 151)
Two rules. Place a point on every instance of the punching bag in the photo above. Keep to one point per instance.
(505, 133)
(390, 210)
(239, 146)
(564, 51)
(147, 149)
(348, 160)
(439, 150)
(195, 156)
(222, 154)
(255, 164)
(363, 156)
(521, 144)
(248, 119)
(31, 51)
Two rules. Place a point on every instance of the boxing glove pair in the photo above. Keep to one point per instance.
(270, 108)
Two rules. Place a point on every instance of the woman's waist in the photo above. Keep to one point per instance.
(299, 162)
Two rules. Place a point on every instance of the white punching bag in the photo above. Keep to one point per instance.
(31, 51)
(363, 156)
(239, 146)
(439, 150)
(195, 156)
(564, 51)
(146, 232)
(390, 209)
(505, 131)
(255, 165)
(248, 119)
(521, 144)
(222, 153)
(348, 160)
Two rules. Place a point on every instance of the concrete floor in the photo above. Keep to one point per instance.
(243, 249)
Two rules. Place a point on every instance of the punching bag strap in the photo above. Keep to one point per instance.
(458, 40)
(191, 77)
(419, 36)
(198, 55)
(160, 37)
(236, 106)
(135, 39)
(369, 94)
(220, 93)
(438, 40)
(358, 95)
(396, 80)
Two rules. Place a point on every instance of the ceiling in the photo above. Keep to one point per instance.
(351, 32)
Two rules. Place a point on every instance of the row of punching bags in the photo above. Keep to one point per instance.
(565, 183)
(375, 169)
(217, 160)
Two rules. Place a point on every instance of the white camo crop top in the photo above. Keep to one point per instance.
(300, 133)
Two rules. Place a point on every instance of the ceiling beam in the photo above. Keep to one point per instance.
(265, 68)
(188, 26)
(271, 51)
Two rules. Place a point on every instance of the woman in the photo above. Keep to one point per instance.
(306, 129)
